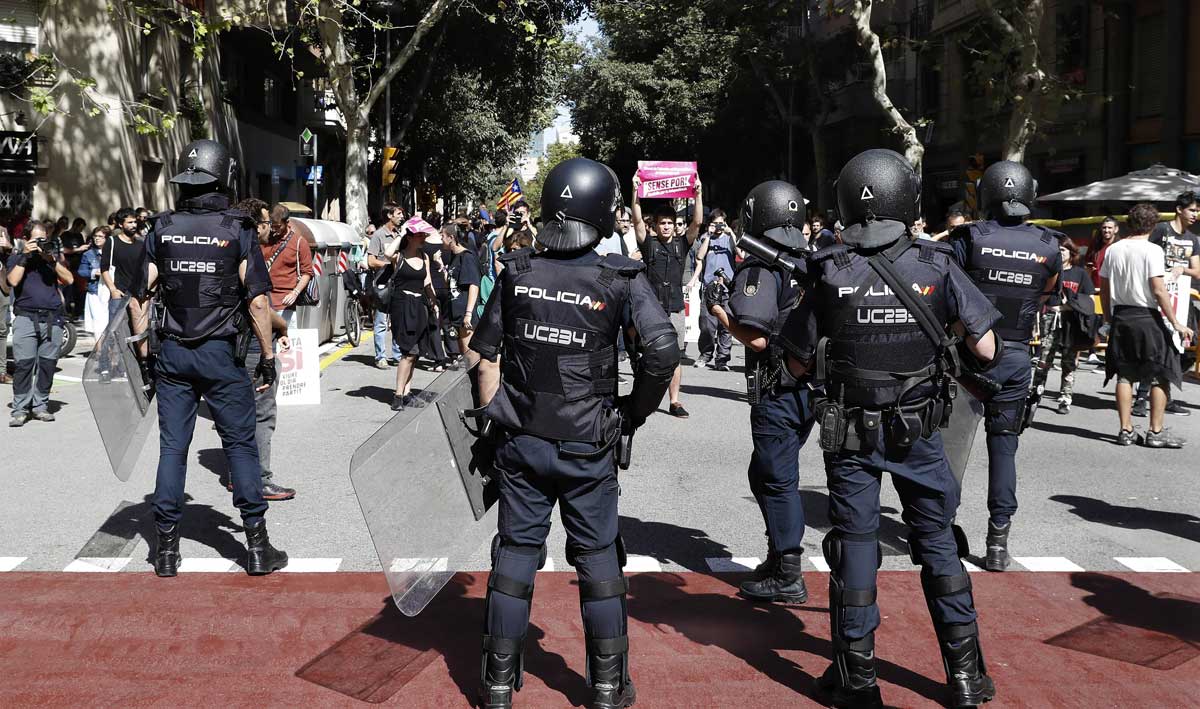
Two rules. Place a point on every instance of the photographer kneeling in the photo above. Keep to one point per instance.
(35, 271)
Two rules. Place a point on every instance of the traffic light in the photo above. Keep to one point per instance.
(389, 166)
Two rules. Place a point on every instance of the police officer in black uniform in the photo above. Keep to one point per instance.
(211, 278)
(1016, 265)
(763, 294)
(886, 390)
(553, 321)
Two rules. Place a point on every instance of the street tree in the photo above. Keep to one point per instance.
(1018, 61)
(555, 154)
(868, 40)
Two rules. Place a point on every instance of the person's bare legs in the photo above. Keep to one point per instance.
(1158, 407)
(674, 386)
(1125, 405)
(404, 370)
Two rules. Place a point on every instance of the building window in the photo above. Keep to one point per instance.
(1070, 43)
(1149, 66)
(272, 97)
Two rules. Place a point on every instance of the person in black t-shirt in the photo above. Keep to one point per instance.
(464, 279)
(123, 263)
(1058, 331)
(1182, 250)
(665, 256)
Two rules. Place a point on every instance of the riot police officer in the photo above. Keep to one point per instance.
(763, 293)
(1016, 265)
(886, 391)
(553, 322)
(210, 278)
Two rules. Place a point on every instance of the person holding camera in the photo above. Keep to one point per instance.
(518, 222)
(714, 262)
(35, 271)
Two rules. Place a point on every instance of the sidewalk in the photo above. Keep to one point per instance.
(323, 640)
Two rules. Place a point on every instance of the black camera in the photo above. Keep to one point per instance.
(51, 246)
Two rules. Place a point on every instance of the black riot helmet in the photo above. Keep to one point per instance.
(206, 163)
(879, 197)
(1007, 190)
(580, 199)
(775, 210)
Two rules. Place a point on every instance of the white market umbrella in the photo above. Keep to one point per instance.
(1156, 183)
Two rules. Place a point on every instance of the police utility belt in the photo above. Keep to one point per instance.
(768, 375)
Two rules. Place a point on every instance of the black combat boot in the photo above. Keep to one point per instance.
(784, 585)
(261, 557)
(500, 678)
(611, 686)
(849, 683)
(965, 672)
(768, 567)
(166, 555)
(997, 547)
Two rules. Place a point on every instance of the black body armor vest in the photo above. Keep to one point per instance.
(1011, 265)
(198, 254)
(559, 357)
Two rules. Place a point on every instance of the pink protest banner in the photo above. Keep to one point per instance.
(666, 179)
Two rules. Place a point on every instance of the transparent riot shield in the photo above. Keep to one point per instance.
(417, 504)
(959, 435)
(122, 402)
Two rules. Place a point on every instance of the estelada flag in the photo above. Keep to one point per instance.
(511, 196)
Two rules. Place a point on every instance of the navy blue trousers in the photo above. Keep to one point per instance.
(1016, 373)
(187, 372)
(780, 425)
(929, 495)
(533, 477)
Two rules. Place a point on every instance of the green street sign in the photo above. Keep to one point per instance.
(308, 141)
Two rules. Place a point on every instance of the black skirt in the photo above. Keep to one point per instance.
(410, 320)
(1139, 347)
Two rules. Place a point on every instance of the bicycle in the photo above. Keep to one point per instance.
(357, 309)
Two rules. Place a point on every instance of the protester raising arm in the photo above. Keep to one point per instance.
(693, 229)
(639, 224)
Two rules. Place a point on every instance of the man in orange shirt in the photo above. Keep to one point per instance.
(289, 261)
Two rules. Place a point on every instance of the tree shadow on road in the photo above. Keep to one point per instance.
(1042, 425)
(714, 392)
(1180, 524)
(390, 650)
(685, 546)
(754, 633)
(200, 523)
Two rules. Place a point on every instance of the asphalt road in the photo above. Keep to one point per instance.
(1085, 502)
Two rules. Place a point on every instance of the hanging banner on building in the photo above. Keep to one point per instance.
(667, 179)
(300, 371)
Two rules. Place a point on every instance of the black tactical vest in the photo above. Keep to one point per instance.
(559, 358)
(877, 354)
(1011, 266)
(198, 254)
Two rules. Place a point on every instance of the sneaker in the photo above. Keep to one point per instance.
(18, 420)
(381, 364)
(1178, 408)
(399, 403)
(276, 493)
(43, 416)
(720, 367)
(1093, 359)
(1162, 439)
(1139, 408)
(1064, 407)
(678, 411)
(393, 362)
(700, 363)
(1126, 438)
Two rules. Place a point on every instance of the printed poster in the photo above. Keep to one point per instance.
(300, 371)
(667, 179)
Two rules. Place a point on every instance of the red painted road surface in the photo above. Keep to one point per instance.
(328, 640)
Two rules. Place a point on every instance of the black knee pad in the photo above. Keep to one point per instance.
(573, 552)
(962, 546)
(831, 547)
(1004, 417)
(543, 555)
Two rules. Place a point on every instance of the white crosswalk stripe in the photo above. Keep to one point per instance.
(202, 565)
(818, 562)
(635, 564)
(1047, 563)
(1150, 564)
(301, 566)
(97, 564)
(8, 563)
(735, 564)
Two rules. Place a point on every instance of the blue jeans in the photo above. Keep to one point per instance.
(381, 330)
(187, 372)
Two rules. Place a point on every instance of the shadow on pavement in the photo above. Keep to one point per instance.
(390, 650)
(714, 392)
(1159, 631)
(893, 535)
(1179, 524)
(754, 633)
(381, 394)
(1041, 424)
(690, 548)
(200, 523)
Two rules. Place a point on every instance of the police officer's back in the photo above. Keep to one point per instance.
(1016, 265)
(210, 276)
(886, 391)
(553, 321)
(763, 294)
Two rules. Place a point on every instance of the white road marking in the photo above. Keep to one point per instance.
(203, 565)
(313, 565)
(549, 564)
(421, 566)
(635, 564)
(724, 564)
(819, 563)
(8, 563)
(1150, 564)
(97, 564)
(1047, 563)
(971, 568)
(67, 378)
